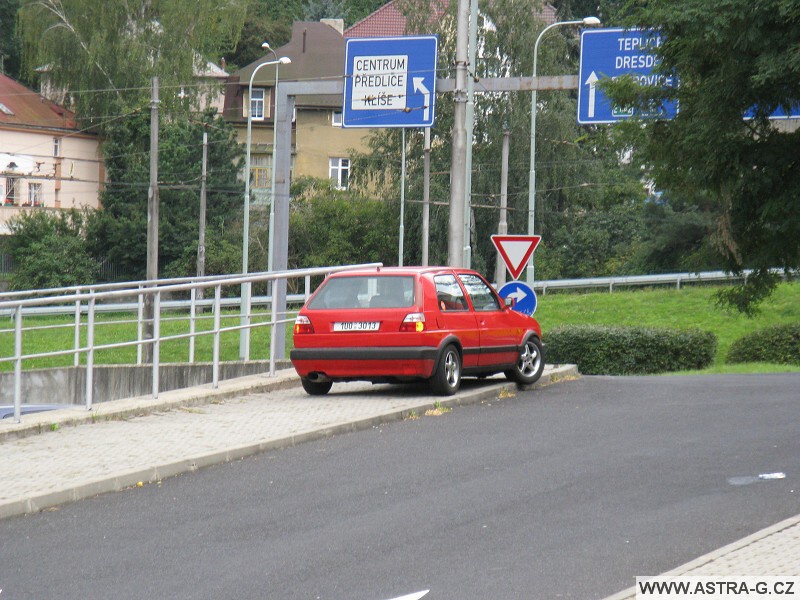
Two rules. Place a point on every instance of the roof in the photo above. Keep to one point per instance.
(317, 52)
(389, 21)
(22, 107)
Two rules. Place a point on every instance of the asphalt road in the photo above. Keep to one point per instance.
(565, 492)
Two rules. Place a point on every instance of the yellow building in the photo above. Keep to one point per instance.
(320, 146)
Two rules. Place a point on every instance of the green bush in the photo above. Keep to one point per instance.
(776, 344)
(602, 350)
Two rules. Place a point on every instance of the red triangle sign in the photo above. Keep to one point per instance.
(515, 250)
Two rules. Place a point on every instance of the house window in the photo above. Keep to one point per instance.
(336, 118)
(257, 104)
(34, 194)
(261, 171)
(11, 190)
(340, 171)
(56, 147)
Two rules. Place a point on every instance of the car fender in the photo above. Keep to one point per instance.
(446, 341)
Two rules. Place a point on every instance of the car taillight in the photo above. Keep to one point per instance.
(303, 325)
(414, 322)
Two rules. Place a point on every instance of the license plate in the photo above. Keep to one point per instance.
(357, 326)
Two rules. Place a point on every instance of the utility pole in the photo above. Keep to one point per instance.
(152, 222)
(470, 129)
(201, 242)
(502, 228)
(458, 169)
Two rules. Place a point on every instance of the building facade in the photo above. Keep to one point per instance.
(46, 161)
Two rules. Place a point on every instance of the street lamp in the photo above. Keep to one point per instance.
(586, 22)
(244, 339)
(271, 238)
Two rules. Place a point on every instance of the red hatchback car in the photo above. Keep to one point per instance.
(395, 324)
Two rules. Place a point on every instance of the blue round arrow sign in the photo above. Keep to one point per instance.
(523, 295)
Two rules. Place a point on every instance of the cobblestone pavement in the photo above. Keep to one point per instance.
(62, 456)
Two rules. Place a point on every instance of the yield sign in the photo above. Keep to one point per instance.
(515, 250)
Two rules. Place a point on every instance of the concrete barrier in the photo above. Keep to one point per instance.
(67, 385)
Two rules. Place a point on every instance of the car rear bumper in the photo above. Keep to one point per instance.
(365, 363)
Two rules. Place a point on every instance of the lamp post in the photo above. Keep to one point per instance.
(586, 22)
(271, 237)
(244, 339)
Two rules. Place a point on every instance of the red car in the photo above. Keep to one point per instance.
(395, 324)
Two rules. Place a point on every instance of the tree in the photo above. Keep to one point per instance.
(50, 250)
(119, 232)
(9, 39)
(730, 58)
(104, 54)
(331, 226)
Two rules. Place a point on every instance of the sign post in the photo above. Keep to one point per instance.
(390, 82)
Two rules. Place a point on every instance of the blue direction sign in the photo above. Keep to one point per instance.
(610, 53)
(523, 296)
(390, 82)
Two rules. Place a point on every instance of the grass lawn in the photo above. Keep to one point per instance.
(690, 307)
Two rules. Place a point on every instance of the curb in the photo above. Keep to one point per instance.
(240, 386)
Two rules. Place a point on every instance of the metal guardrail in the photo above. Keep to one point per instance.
(87, 301)
(677, 279)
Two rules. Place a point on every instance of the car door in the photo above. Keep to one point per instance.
(498, 338)
(454, 315)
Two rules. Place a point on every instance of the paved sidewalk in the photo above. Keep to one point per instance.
(62, 456)
(56, 457)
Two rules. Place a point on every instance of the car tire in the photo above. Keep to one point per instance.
(530, 363)
(447, 378)
(316, 388)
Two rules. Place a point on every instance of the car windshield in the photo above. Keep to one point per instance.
(359, 291)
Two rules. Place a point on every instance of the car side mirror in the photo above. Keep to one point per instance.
(509, 302)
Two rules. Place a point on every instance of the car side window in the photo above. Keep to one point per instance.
(448, 293)
(482, 296)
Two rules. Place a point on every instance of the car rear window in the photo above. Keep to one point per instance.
(360, 291)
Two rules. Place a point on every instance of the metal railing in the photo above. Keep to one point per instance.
(90, 300)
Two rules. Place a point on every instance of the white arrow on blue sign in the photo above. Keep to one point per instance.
(390, 82)
(523, 296)
(610, 53)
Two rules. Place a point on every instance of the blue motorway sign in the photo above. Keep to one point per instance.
(390, 82)
(523, 295)
(610, 53)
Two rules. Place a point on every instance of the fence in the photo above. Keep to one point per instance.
(90, 301)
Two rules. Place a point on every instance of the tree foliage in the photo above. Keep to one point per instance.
(104, 54)
(119, 233)
(731, 57)
(50, 250)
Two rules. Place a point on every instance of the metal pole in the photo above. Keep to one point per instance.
(458, 168)
(201, 242)
(502, 228)
(271, 235)
(426, 196)
(402, 195)
(470, 127)
(152, 219)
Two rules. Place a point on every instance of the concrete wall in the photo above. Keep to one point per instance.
(68, 385)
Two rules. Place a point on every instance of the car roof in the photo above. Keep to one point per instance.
(407, 271)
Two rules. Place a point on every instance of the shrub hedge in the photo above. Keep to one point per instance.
(603, 350)
(776, 344)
